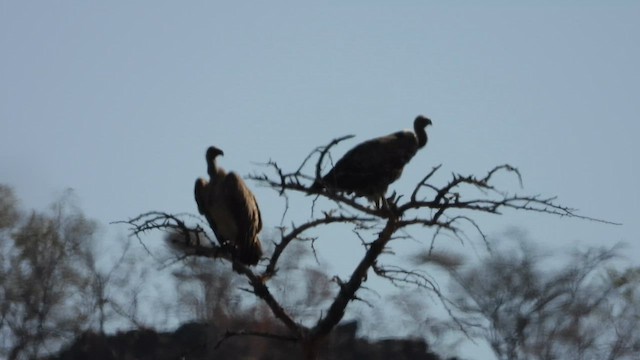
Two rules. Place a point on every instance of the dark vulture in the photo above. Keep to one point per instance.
(370, 167)
(231, 210)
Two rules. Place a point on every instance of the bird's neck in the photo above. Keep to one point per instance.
(215, 173)
(421, 133)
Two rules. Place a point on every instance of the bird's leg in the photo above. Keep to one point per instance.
(382, 203)
(377, 200)
(378, 203)
(227, 247)
(389, 204)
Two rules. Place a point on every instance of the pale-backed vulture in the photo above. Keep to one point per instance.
(369, 168)
(231, 210)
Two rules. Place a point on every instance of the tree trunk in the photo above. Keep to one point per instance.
(310, 349)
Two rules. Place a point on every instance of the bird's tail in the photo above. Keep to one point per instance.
(249, 254)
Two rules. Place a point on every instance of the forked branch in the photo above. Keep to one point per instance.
(444, 208)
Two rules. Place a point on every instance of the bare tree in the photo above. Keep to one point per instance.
(445, 209)
(207, 291)
(9, 213)
(527, 309)
(622, 314)
(210, 291)
(113, 292)
(42, 276)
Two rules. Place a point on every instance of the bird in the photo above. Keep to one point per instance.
(370, 167)
(231, 210)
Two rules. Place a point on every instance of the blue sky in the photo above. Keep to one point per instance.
(119, 100)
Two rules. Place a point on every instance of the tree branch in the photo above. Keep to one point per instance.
(348, 289)
(298, 230)
(442, 208)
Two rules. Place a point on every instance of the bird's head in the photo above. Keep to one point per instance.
(421, 122)
(212, 152)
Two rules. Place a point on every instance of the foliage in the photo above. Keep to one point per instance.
(526, 309)
(51, 288)
(45, 259)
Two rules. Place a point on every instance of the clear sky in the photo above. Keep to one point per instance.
(119, 100)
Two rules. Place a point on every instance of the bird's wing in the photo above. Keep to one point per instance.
(378, 154)
(244, 209)
(201, 193)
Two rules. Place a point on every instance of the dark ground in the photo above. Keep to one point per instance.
(196, 341)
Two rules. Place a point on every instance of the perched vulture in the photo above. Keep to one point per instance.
(370, 167)
(231, 210)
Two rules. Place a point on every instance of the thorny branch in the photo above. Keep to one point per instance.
(192, 237)
(192, 245)
(261, 290)
(430, 205)
(296, 231)
(292, 182)
(324, 150)
(446, 209)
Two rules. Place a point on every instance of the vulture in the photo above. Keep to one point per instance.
(370, 167)
(231, 210)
